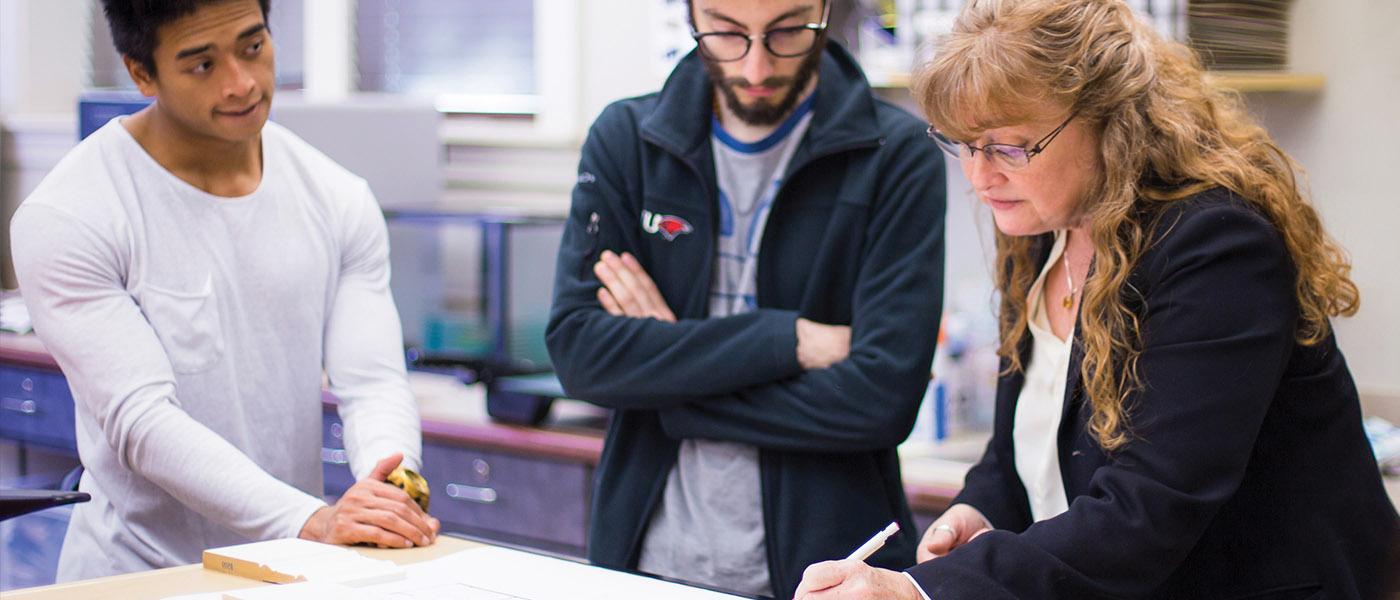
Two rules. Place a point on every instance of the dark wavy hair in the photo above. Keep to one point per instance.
(135, 23)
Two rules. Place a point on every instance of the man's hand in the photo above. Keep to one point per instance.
(627, 289)
(373, 512)
(819, 346)
(854, 580)
(957, 526)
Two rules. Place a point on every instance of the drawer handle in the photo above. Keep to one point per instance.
(334, 456)
(471, 493)
(24, 407)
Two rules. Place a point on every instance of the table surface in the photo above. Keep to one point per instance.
(194, 579)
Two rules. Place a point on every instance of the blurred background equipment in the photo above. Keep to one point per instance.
(1240, 34)
(891, 36)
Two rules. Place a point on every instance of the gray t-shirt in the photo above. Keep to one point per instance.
(709, 527)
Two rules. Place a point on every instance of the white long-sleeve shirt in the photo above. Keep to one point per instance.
(194, 330)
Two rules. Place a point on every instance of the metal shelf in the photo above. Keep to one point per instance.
(1269, 81)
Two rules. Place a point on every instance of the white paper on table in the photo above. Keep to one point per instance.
(304, 590)
(501, 574)
(515, 575)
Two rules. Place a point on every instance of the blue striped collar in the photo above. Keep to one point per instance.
(773, 138)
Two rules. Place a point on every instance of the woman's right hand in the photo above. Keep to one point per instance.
(957, 526)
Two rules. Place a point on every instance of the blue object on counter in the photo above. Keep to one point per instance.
(96, 108)
(1385, 442)
(940, 412)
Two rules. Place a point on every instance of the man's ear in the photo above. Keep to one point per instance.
(144, 78)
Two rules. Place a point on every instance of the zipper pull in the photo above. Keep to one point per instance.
(586, 269)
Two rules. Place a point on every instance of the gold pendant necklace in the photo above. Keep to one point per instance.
(1068, 302)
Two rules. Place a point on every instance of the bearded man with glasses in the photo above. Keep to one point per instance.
(752, 277)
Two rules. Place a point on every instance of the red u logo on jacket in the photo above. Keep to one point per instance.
(669, 226)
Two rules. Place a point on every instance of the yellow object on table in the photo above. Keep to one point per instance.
(411, 482)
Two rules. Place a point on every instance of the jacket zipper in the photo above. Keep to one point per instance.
(774, 566)
(709, 207)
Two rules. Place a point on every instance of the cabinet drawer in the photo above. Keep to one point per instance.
(524, 499)
(36, 406)
(335, 464)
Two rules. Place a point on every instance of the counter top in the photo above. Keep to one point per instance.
(26, 350)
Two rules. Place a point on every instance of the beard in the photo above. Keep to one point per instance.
(762, 112)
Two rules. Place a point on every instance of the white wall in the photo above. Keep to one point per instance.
(40, 71)
(1348, 140)
(43, 66)
(616, 54)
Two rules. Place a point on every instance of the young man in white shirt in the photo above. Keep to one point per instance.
(194, 270)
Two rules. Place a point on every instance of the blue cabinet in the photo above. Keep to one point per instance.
(507, 497)
(37, 408)
(335, 465)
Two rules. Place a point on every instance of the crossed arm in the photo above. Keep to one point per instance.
(628, 291)
(766, 378)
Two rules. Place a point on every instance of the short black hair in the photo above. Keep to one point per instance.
(134, 23)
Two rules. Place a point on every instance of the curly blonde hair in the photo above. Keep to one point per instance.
(1165, 133)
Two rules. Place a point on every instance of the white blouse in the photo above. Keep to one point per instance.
(1038, 408)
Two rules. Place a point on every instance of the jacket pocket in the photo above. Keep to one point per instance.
(187, 324)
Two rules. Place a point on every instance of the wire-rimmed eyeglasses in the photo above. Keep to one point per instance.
(1009, 156)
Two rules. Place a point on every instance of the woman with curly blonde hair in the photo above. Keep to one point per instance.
(1174, 418)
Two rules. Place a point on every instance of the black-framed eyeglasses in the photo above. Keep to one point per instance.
(783, 42)
(1008, 156)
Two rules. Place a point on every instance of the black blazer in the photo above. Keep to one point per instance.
(1249, 476)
